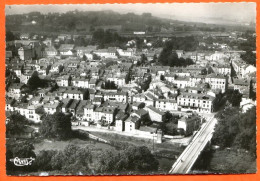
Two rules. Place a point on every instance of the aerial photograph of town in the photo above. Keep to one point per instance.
(130, 89)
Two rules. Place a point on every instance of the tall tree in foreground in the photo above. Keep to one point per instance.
(56, 126)
(16, 124)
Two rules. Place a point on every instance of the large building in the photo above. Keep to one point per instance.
(201, 103)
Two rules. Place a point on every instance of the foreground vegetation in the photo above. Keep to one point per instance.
(235, 134)
(115, 158)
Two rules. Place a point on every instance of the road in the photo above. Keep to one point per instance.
(188, 157)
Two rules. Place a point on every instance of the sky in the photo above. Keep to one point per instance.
(201, 12)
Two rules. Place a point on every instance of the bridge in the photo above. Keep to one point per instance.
(191, 153)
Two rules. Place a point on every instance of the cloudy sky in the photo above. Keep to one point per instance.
(239, 12)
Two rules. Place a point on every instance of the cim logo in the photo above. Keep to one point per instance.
(22, 161)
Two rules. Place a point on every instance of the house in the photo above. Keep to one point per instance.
(217, 56)
(142, 115)
(67, 50)
(110, 52)
(179, 53)
(98, 101)
(63, 37)
(155, 114)
(65, 103)
(72, 93)
(201, 103)
(223, 69)
(26, 76)
(116, 96)
(196, 80)
(80, 110)
(9, 104)
(43, 92)
(247, 104)
(25, 53)
(8, 54)
(35, 100)
(56, 68)
(17, 70)
(87, 51)
(181, 82)
(242, 85)
(238, 65)
(32, 113)
(131, 124)
(247, 69)
(63, 81)
(80, 82)
(125, 53)
(92, 83)
(150, 132)
(188, 125)
(15, 90)
(50, 51)
(44, 70)
(166, 104)
(105, 115)
(120, 121)
(25, 36)
(157, 71)
(51, 108)
(73, 106)
(47, 42)
(217, 82)
(119, 80)
(138, 105)
(89, 113)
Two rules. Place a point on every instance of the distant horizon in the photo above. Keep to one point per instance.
(212, 13)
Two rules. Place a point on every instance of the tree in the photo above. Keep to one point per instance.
(249, 57)
(16, 124)
(139, 159)
(162, 78)
(9, 36)
(43, 161)
(72, 160)
(226, 129)
(232, 161)
(57, 160)
(109, 85)
(143, 59)
(170, 58)
(236, 129)
(80, 42)
(127, 78)
(131, 159)
(84, 58)
(96, 57)
(75, 160)
(56, 126)
(35, 82)
(20, 149)
(234, 97)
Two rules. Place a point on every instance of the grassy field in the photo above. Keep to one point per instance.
(60, 145)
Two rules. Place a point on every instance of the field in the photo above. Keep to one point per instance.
(60, 145)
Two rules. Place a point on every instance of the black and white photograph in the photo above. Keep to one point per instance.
(130, 89)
